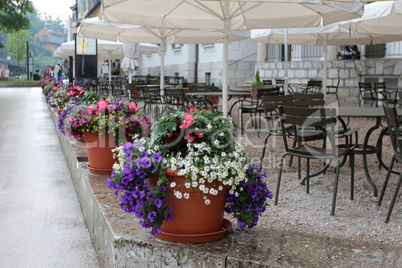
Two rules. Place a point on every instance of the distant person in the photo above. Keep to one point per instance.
(47, 71)
(2, 74)
(57, 72)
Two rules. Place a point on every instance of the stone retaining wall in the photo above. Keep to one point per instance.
(349, 71)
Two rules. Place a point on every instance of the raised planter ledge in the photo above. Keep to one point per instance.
(121, 242)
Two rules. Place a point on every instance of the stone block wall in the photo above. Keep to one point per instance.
(349, 71)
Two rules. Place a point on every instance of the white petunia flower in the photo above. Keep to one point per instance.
(207, 202)
(186, 195)
(187, 185)
(172, 184)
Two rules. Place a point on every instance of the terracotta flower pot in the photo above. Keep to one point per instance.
(193, 221)
(100, 154)
(213, 99)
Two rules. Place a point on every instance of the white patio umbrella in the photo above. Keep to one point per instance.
(106, 50)
(96, 28)
(129, 63)
(332, 34)
(227, 16)
(384, 17)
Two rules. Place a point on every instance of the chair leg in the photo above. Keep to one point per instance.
(263, 150)
(339, 103)
(279, 179)
(352, 174)
(384, 186)
(291, 157)
(308, 176)
(391, 206)
(335, 187)
(299, 168)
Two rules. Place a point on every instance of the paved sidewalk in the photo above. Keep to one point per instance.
(41, 224)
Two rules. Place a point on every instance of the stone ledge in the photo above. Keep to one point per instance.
(121, 242)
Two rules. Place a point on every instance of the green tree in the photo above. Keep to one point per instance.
(13, 15)
(17, 45)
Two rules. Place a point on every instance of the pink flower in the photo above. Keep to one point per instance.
(170, 135)
(90, 110)
(121, 103)
(103, 105)
(192, 109)
(71, 93)
(188, 121)
(133, 119)
(54, 88)
(132, 106)
(200, 134)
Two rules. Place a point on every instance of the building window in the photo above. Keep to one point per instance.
(375, 51)
(208, 79)
(45, 38)
(176, 46)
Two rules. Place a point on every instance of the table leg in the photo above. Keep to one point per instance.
(365, 145)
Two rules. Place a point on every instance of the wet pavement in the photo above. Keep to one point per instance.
(41, 223)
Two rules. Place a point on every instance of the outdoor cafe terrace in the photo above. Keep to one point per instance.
(299, 231)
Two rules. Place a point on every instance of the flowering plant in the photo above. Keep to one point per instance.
(106, 118)
(63, 93)
(200, 145)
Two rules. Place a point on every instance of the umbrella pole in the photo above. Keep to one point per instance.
(226, 34)
(286, 62)
(325, 74)
(162, 82)
(110, 75)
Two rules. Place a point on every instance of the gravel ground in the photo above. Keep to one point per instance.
(360, 220)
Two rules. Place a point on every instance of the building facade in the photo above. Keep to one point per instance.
(49, 39)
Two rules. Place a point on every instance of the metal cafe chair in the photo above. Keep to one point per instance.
(271, 104)
(395, 131)
(333, 90)
(255, 107)
(324, 119)
(267, 82)
(367, 93)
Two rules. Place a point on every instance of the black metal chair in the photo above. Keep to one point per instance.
(267, 82)
(333, 90)
(271, 104)
(367, 93)
(255, 107)
(313, 86)
(324, 119)
(395, 131)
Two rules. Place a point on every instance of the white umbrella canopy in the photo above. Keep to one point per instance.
(129, 63)
(227, 16)
(383, 17)
(96, 28)
(332, 34)
(128, 33)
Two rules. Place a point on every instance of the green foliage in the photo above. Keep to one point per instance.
(13, 15)
(17, 45)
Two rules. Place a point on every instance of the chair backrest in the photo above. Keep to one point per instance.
(174, 92)
(272, 102)
(280, 82)
(267, 82)
(379, 86)
(313, 86)
(323, 119)
(392, 118)
(309, 100)
(364, 88)
(261, 90)
(199, 88)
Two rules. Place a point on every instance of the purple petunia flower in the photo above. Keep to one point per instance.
(157, 157)
(139, 214)
(169, 217)
(151, 196)
(152, 216)
(158, 202)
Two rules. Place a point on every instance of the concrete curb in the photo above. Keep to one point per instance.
(121, 242)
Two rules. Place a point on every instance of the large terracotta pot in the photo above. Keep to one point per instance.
(213, 99)
(193, 221)
(100, 154)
